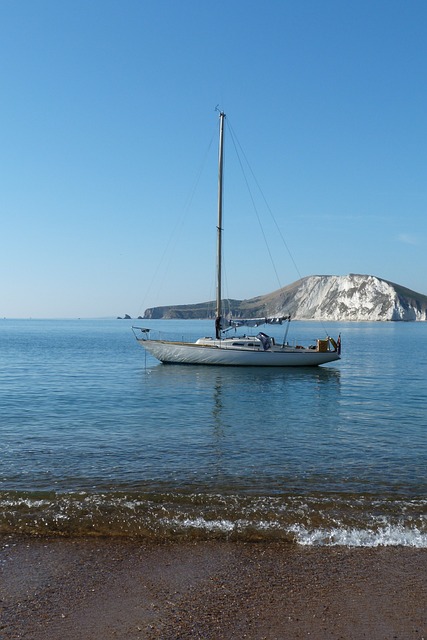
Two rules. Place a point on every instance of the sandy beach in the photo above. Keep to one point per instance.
(102, 589)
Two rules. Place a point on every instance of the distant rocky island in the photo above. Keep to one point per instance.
(351, 297)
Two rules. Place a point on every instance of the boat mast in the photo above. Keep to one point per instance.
(219, 228)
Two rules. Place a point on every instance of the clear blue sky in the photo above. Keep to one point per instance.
(107, 112)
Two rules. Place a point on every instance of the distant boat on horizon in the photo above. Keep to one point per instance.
(259, 350)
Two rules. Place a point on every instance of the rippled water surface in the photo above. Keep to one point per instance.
(97, 437)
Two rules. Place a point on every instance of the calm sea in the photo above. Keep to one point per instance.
(96, 437)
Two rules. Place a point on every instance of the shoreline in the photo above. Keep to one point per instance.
(108, 588)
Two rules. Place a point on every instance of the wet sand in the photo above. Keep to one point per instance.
(104, 589)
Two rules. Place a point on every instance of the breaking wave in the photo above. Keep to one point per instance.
(351, 521)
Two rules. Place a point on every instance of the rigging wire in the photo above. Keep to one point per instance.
(254, 204)
(237, 143)
(175, 231)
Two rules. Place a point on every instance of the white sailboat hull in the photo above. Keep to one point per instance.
(227, 355)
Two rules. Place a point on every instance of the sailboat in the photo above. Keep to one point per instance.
(260, 350)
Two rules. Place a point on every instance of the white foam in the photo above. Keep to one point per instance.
(389, 535)
(201, 523)
(221, 525)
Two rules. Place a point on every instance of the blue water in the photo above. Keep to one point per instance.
(96, 437)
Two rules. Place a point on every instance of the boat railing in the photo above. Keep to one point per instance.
(146, 333)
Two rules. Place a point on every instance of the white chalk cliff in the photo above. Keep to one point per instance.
(352, 297)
